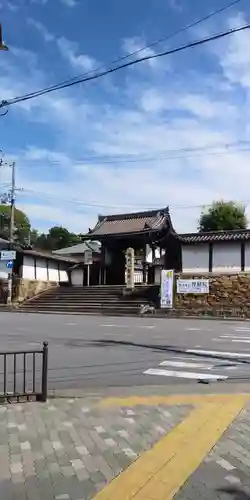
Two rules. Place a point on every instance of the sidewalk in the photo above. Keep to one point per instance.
(145, 448)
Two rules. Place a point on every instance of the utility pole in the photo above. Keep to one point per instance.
(12, 226)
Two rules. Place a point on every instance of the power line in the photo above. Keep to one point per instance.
(147, 159)
(96, 76)
(116, 206)
(154, 43)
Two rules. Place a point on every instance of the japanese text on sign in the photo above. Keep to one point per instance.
(193, 286)
(167, 282)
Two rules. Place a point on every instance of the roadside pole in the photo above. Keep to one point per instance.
(12, 224)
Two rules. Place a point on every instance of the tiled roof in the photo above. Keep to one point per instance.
(79, 249)
(241, 235)
(45, 255)
(134, 223)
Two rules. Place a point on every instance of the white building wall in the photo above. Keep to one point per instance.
(77, 277)
(226, 257)
(195, 258)
(63, 275)
(28, 268)
(41, 269)
(3, 269)
(53, 270)
(247, 256)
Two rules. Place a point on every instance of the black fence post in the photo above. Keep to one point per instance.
(45, 373)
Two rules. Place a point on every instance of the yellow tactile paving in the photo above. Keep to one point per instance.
(160, 472)
(179, 399)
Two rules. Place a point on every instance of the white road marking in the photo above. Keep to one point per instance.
(180, 364)
(189, 375)
(70, 324)
(242, 329)
(233, 337)
(219, 353)
(147, 327)
(193, 329)
(115, 326)
(239, 341)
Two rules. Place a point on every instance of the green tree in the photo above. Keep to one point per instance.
(223, 215)
(58, 237)
(21, 224)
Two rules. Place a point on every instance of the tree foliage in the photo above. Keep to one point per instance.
(22, 224)
(58, 237)
(223, 215)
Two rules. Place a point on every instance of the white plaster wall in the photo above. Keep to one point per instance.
(226, 257)
(195, 258)
(63, 274)
(247, 256)
(28, 268)
(41, 270)
(53, 270)
(77, 277)
(3, 269)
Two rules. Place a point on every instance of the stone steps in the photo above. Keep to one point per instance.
(108, 300)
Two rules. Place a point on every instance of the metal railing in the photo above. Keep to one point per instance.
(24, 375)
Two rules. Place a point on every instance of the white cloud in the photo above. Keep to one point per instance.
(138, 47)
(9, 5)
(48, 37)
(69, 3)
(150, 119)
(69, 51)
(175, 5)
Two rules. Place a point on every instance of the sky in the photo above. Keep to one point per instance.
(172, 131)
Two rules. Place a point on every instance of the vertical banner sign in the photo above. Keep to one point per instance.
(167, 287)
(130, 268)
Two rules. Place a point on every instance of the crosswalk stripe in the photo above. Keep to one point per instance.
(187, 375)
(181, 364)
(219, 353)
(233, 336)
(241, 341)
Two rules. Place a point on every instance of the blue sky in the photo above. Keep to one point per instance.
(113, 145)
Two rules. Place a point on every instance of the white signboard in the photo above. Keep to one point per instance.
(193, 286)
(167, 286)
(88, 257)
(8, 255)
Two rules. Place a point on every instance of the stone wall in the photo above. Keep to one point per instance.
(229, 295)
(24, 289)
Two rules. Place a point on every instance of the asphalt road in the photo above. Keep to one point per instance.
(98, 352)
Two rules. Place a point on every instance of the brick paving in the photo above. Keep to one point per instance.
(225, 472)
(69, 449)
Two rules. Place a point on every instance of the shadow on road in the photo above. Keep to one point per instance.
(167, 348)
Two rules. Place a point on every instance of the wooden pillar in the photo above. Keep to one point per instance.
(210, 257)
(243, 256)
(102, 268)
(100, 274)
(144, 264)
(153, 266)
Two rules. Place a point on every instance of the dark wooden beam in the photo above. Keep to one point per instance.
(210, 257)
(242, 257)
